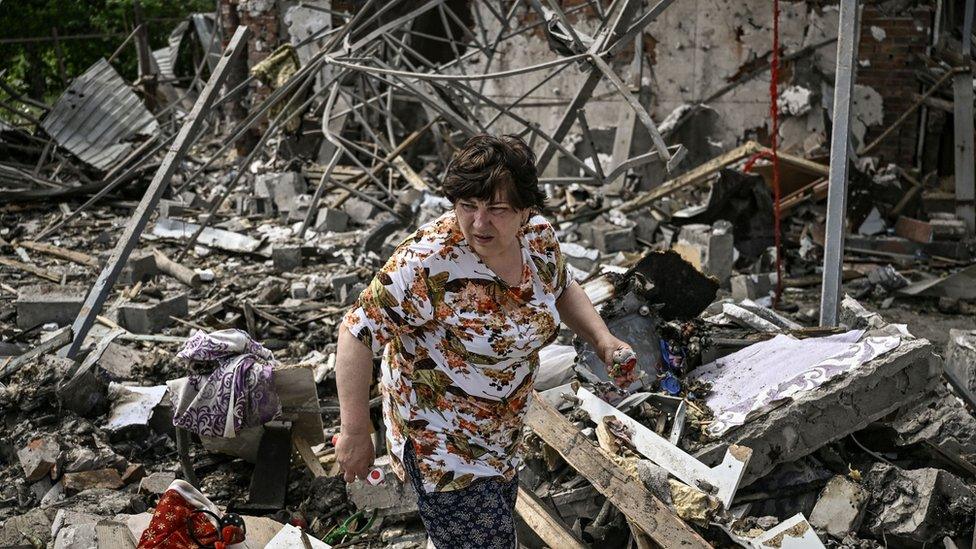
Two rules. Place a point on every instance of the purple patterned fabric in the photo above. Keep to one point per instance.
(239, 392)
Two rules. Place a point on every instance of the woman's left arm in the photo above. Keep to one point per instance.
(578, 313)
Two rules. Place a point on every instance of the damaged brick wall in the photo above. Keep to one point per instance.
(888, 55)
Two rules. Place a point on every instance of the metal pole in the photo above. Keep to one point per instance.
(848, 34)
(962, 87)
(137, 223)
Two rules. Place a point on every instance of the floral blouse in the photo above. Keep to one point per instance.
(461, 348)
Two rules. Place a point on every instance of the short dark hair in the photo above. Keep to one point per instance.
(486, 165)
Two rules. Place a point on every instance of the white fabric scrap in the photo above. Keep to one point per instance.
(758, 378)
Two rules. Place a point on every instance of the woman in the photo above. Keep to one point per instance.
(462, 308)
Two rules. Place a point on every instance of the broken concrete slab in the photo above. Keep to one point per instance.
(919, 506)
(959, 285)
(151, 317)
(48, 303)
(39, 457)
(960, 358)
(25, 530)
(841, 406)
(840, 509)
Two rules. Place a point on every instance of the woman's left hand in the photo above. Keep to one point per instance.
(621, 361)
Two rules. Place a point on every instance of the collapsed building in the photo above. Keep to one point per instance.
(792, 263)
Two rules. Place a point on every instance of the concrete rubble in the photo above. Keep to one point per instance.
(750, 422)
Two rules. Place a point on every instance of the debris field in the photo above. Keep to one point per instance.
(793, 265)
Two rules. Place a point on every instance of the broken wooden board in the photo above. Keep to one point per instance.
(724, 477)
(621, 488)
(550, 529)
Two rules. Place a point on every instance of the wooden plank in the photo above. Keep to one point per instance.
(10, 365)
(308, 456)
(549, 528)
(622, 489)
(697, 175)
(36, 271)
(55, 251)
(137, 223)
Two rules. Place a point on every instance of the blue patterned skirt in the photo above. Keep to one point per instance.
(479, 516)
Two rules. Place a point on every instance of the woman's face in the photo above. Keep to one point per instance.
(490, 227)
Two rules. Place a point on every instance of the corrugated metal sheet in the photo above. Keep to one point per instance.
(96, 117)
(203, 27)
(166, 57)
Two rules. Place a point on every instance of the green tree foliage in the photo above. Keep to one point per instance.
(33, 68)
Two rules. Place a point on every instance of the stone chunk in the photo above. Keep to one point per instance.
(917, 507)
(99, 478)
(840, 509)
(156, 483)
(38, 458)
(152, 317)
(46, 303)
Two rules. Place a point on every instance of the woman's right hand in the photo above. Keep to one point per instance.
(354, 454)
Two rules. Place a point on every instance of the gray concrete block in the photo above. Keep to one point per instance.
(282, 188)
(821, 416)
(646, 226)
(840, 509)
(610, 239)
(360, 211)
(331, 219)
(42, 304)
(286, 258)
(752, 286)
(140, 267)
(708, 248)
(343, 282)
(152, 317)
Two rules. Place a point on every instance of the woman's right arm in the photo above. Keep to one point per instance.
(354, 372)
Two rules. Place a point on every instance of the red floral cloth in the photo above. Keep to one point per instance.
(169, 527)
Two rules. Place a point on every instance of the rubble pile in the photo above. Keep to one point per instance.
(172, 280)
